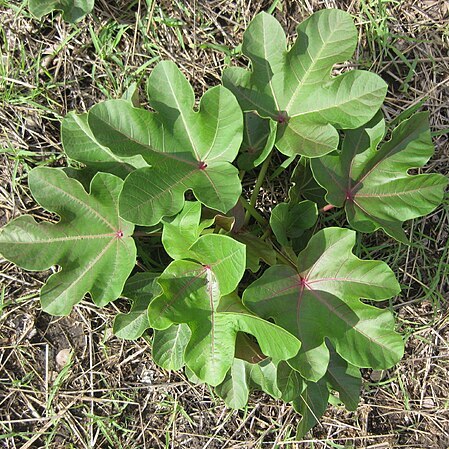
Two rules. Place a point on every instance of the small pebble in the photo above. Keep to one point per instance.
(63, 357)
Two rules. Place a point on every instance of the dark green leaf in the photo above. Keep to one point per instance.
(289, 220)
(259, 136)
(311, 404)
(140, 288)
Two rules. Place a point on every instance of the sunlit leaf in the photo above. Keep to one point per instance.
(187, 149)
(197, 292)
(91, 243)
(320, 299)
(374, 185)
(294, 86)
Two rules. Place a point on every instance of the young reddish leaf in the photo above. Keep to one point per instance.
(320, 299)
(374, 185)
(187, 149)
(294, 87)
(91, 243)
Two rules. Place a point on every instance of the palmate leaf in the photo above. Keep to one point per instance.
(73, 10)
(374, 185)
(187, 149)
(198, 292)
(91, 243)
(320, 299)
(295, 88)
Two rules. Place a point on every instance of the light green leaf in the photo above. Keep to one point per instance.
(374, 185)
(169, 346)
(192, 292)
(187, 149)
(294, 87)
(181, 232)
(140, 288)
(91, 243)
(80, 145)
(235, 388)
(73, 10)
(320, 298)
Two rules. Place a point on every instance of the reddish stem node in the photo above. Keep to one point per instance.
(202, 165)
(119, 234)
(327, 207)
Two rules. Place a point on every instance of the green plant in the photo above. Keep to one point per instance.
(305, 326)
(72, 10)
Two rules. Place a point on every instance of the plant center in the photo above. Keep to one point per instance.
(202, 165)
(282, 117)
(119, 234)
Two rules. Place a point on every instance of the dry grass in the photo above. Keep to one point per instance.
(109, 393)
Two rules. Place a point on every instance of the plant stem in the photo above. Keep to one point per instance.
(253, 213)
(146, 234)
(284, 259)
(259, 182)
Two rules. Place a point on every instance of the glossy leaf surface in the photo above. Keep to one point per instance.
(294, 87)
(374, 185)
(91, 243)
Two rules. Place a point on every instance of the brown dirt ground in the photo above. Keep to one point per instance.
(113, 395)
